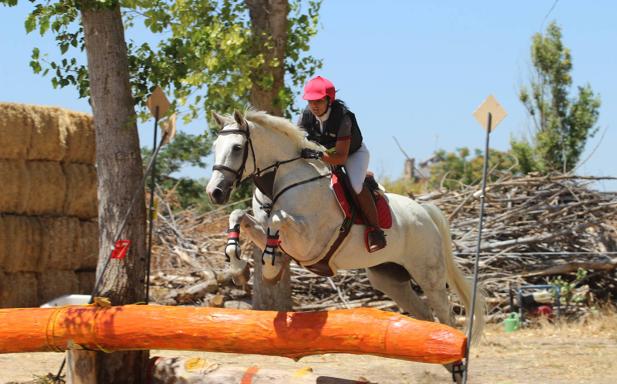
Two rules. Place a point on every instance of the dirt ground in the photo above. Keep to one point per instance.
(546, 354)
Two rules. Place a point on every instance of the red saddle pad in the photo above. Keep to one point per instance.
(383, 207)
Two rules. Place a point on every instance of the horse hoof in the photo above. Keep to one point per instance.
(240, 277)
(271, 274)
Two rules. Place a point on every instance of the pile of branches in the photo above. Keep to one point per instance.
(536, 230)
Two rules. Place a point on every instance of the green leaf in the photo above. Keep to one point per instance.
(43, 24)
(30, 23)
(36, 66)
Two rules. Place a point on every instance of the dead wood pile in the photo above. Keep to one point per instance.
(535, 230)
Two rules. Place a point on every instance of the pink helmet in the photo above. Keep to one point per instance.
(317, 88)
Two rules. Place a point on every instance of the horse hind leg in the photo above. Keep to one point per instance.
(437, 298)
(456, 280)
(394, 281)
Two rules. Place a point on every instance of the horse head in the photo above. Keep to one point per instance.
(249, 146)
(232, 150)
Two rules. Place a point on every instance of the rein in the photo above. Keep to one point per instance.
(268, 207)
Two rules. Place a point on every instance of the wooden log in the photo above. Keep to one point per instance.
(564, 269)
(195, 370)
(289, 334)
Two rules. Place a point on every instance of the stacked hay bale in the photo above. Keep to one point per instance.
(48, 204)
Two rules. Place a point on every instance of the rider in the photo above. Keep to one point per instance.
(328, 122)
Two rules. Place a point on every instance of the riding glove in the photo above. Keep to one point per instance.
(308, 153)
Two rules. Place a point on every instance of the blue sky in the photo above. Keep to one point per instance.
(415, 70)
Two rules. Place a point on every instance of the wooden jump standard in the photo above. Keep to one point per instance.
(290, 334)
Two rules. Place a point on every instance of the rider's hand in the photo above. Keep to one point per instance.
(308, 153)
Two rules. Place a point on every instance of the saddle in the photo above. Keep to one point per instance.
(349, 204)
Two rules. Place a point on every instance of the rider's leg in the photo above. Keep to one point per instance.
(376, 238)
(356, 166)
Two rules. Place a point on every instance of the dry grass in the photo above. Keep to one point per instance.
(597, 322)
(600, 322)
(550, 352)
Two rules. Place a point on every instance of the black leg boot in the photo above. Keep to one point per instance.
(376, 237)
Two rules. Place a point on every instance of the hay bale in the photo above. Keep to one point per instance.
(81, 191)
(45, 133)
(80, 138)
(44, 190)
(48, 140)
(36, 244)
(18, 290)
(21, 243)
(53, 283)
(32, 132)
(12, 178)
(16, 121)
(48, 188)
(87, 246)
(32, 187)
(4, 239)
(85, 281)
(59, 243)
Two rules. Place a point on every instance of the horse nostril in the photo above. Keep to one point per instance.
(217, 194)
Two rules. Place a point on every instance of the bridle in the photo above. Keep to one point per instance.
(257, 173)
(238, 173)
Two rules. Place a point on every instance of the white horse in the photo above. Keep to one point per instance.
(307, 216)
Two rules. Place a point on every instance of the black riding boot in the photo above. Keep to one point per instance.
(376, 237)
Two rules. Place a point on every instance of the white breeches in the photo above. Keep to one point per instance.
(357, 165)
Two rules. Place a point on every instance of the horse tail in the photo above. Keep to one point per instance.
(456, 280)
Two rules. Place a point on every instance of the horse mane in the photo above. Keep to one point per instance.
(283, 126)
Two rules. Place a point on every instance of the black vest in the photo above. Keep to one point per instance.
(328, 138)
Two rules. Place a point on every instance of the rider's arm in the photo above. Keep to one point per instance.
(338, 155)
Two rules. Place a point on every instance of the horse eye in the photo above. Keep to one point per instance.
(236, 147)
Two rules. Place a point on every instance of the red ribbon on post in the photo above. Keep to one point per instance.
(120, 250)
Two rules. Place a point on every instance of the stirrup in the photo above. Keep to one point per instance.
(376, 239)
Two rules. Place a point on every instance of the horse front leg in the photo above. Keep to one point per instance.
(274, 261)
(241, 221)
(266, 240)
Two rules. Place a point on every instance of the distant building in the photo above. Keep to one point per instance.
(409, 169)
(422, 172)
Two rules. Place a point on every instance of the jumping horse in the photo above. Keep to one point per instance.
(304, 217)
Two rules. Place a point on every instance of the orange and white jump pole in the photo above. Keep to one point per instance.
(289, 334)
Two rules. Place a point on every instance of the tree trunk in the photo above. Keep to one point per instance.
(269, 27)
(119, 173)
(271, 297)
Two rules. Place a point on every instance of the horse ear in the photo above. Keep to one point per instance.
(218, 119)
(242, 123)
